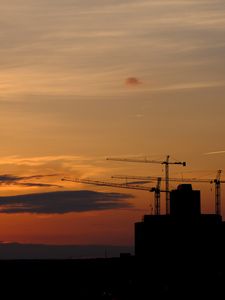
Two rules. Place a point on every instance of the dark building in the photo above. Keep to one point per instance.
(185, 233)
(185, 202)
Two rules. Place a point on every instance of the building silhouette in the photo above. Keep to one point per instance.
(185, 233)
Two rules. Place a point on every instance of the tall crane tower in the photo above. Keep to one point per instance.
(157, 197)
(126, 185)
(217, 181)
(165, 162)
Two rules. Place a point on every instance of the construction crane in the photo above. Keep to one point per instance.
(157, 193)
(157, 197)
(217, 181)
(166, 162)
(126, 185)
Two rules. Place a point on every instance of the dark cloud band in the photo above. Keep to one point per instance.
(63, 202)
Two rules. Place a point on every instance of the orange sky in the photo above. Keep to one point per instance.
(84, 80)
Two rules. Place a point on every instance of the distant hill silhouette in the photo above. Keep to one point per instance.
(41, 251)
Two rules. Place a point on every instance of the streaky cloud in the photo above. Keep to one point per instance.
(14, 178)
(215, 152)
(189, 86)
(8, 179)
(33, 184)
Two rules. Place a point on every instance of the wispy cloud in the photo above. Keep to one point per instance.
(188, 86)
(39, 160)
(38, 184)
(7, 179)
(215, 152)
(21, 177)
(76, 42)
(56, 164)
(63, 202)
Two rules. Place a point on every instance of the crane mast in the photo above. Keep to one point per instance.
(217, 182)
(167, 185)
(157, 197)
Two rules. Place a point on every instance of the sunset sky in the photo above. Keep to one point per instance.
(82, 80)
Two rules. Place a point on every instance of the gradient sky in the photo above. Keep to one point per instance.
(81, 80)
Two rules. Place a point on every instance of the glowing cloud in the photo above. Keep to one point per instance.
(132, 81)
